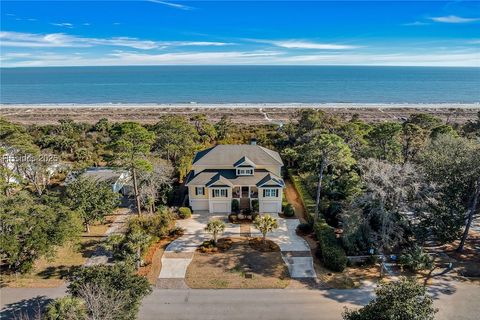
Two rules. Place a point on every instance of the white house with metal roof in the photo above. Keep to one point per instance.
(244, 172)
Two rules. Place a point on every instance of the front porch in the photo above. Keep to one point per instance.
(245, 195)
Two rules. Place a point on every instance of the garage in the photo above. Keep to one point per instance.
(199, 205)
(220, 207)
(269, 207)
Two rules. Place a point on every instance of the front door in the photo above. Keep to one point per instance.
(245, 191)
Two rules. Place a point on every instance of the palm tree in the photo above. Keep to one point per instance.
(215, 227)
(265, 224)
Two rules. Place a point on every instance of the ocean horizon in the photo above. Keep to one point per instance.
(240, 85)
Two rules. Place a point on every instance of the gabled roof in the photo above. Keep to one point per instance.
(271, 180)
(244, 162)
(228, 177)
(219, 181)
(229, 155)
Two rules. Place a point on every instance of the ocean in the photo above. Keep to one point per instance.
(239, 84)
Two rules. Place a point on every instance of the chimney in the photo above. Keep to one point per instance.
(253, 141)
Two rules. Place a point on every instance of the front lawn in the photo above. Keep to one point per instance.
(233, 267)
(51, 272)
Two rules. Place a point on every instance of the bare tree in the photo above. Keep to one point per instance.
(154, 184)
(101, 303)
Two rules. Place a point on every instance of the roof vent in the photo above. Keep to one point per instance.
(253, 141)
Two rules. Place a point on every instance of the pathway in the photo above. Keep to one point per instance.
(179, 253)
(101, 256)
(295, 250)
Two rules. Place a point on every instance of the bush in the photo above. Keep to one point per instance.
(305, 228)
(247, 211)
(288, 210)
(177, 232)
(255, 205)
(255, 215)
(184, 212)
(333, 255)
(235, 205)
(157, 225)
(415, 259)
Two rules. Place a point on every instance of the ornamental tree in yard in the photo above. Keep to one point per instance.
(322, 151)
(91, 199)
(131, 146)
(403, 299)
(215, 227)
(265, 224)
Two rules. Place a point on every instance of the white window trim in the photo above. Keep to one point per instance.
(220, 191)
(270, 193)
(197, 189)
(245, 171)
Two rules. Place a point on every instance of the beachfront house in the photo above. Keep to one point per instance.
(246, 172)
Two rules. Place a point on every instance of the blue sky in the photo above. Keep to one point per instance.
(74, 33)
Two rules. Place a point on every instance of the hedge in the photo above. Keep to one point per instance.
(333, 255)
(308, 201)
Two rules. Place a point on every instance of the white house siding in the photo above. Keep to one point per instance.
(270, 204)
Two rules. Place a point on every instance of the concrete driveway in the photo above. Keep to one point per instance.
(295, 250)
(179, 253)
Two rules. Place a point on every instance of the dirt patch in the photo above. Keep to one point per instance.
(293, 197)
(239, 267)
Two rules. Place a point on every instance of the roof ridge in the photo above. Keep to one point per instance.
(265, 150)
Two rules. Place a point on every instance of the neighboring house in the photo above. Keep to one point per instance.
(119, 179)
(243, 172)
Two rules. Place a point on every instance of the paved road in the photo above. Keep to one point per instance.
(459, 303)
(455, 300)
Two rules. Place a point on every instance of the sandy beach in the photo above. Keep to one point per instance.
(239, 113)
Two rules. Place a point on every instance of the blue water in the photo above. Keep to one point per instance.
(240, 84)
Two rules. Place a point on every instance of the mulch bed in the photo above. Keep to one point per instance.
(241, 266)
(259, 245)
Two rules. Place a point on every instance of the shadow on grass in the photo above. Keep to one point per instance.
(25, 309)
(55, 272)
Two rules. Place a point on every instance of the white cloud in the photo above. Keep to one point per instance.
(454, 19)
(258, 57)
(63, 24)
(416, 23)
(173, 5)
(301, 44)
(61, 40)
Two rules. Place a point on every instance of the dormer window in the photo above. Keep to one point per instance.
(245, 171)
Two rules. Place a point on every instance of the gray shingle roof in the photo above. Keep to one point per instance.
(103, 174)
(229, 177)
(229, 154)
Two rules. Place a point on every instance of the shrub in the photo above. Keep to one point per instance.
(305, 228)
(177, 232)
(232, 217)
(235, 205)
(255, 205)
(333, 255)
(247, 211)
(415, 259)
(157, 225)
(184, 212)
(255, 215)
(288, 211)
